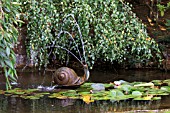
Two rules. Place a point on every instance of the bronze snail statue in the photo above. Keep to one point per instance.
(65, 76)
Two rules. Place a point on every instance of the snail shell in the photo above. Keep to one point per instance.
(66, 77)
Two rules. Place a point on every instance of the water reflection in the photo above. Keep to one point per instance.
(128, 75)
(46, 105)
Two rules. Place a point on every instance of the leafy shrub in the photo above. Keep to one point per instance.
(8, 37)
(110, 30)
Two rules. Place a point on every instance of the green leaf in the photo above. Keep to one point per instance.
(8, 51)
(15, 3)
(136, 93)
(9, 63)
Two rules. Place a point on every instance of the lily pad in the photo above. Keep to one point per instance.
(165, 88)
(57, 95)
(150, 84)
(126, 88)
(156, 98)
(101, 98)
(87, 99)
(108, 85)
(116, 93)
(83, 93)
(167, 81)
(32, 97)
(136, 93)
(157, 82)
(86, 85)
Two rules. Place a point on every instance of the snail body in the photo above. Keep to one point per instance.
(65, 76)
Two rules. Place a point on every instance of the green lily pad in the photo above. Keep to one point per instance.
(138, 98)
(69, 93)
(150, 84)
(165, 88)
(167, 81)
(83, 93)
(126, 88)
(7, 94)
(57, 95)
(101, 98)
(157, 92)
(86, 85)
(136, 93)
(156, 98)
(29, 91)
(16, 91)
(157, 82)
(116, 93)
(32, 97)
(108, 85)
(100, 94)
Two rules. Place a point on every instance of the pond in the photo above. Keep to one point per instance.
(34, 78)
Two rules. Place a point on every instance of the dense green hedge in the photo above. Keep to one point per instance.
(9, 18)
(110, 30)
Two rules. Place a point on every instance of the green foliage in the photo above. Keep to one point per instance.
(168, 24)
(8, 37)
(163, 8)
(110, 30)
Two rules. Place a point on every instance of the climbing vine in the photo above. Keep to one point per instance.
(110, 30)
(8, 37)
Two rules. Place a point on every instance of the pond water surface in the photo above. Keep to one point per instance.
(32, 79)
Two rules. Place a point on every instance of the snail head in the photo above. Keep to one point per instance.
(86, 71)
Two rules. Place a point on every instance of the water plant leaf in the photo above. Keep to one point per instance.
(88, 84)
(138, 98)
(110, 85)
(58, 95)
(82, 93)
(7, 94)
(150, 84)
(32, 97)
(116, 93)
(167, 81)
(69, 93)
(136, 93)
(126, 88)
(156, 98)
(148, 97)
(165, 88)
(19, 93)
(157, 82)
(87, 99)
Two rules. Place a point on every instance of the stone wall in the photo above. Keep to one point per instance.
(20, 48)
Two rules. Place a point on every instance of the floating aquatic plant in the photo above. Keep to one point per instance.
(86, 92)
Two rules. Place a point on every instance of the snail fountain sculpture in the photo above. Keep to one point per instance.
(65, 76)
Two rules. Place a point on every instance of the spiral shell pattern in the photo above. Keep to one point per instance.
(66, 76)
